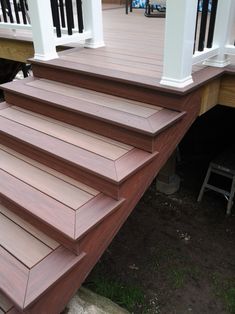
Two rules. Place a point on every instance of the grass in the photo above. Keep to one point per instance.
(125, 295)
(225, 290)
(177, 267)
(180, 274)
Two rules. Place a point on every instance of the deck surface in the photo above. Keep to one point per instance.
(133, 51)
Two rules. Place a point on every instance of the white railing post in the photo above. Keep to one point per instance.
(42, 29)
(179, 42)
(223, 27)
(93, 21)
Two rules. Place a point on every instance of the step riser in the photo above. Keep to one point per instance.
(112, 87)
(118, 133)
(62, 166)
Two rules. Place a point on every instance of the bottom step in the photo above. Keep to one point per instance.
(30, 262)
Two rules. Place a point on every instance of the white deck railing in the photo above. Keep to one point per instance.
(45, 40)
(179, 54)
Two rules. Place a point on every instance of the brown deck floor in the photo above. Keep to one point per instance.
(134, 44)
(133, 51)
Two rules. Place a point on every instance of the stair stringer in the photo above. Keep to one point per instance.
(97, 240)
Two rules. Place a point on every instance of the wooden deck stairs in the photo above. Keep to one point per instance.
(77, 152)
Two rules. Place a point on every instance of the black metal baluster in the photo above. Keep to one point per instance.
(127, 6)
(147, 8)
(80, 16)
(131, 6)
(23, 11)
(8, 4)
(4, 12)
(62, 15)
(212, 23)
(26, 5)
(202, 35)
(196, 28)
(69, 16)
(16, 11)
(55, 17)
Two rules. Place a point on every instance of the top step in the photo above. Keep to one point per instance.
(93, 69)
(132, 122)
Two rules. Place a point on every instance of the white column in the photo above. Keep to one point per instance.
(223, 27)
(179, 42)
(42, 29)
(93, 21)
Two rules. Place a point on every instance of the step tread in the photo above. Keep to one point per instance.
(121, 74)
(100, 156)
(31, 279)
(137, 116)
(76, 207)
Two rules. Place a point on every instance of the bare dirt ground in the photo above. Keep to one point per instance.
(174, 255)
(178, 252)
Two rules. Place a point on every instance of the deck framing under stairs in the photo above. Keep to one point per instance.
(77, 152)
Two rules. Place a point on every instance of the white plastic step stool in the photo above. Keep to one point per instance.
(223, 165)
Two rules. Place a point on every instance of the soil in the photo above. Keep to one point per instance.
(179, 252)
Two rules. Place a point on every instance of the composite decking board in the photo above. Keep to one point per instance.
(5, 304)
(147, 118)
(112, 66)
(111, 61)
(95, 210)
(112, 102)
(66, 134)
(98, 71)
(49, 271)
(23, 285)
(164, 119)
(72, 127)
(126, 165)
(13, 277)
(127, 35)
(3, 105)
(38, 204)
(76, 156)
(96, 111)
(104, 100)
(44, 182)
(21, 244)
(92, 144)
(92, 213)
(121, 56)
(51, 171)
(29, 228)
